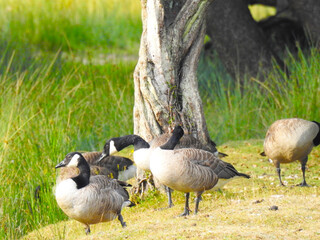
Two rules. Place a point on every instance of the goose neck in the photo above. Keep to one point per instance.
(135, 140)
(172, 142)
(82, 179)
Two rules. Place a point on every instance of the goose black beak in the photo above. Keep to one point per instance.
(102, 156)
(61, 164)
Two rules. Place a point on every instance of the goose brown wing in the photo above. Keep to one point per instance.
(109, 166)
(221, 169)
(188, 141)
(103, 182)
(116, 162)
(91, 157)
(111, 162)
(100, 169)
(197, 157)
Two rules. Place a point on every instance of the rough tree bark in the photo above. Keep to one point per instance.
(165, 80)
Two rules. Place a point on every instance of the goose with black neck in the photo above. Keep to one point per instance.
(90, 200)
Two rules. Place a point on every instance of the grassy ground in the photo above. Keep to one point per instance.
(240, 211)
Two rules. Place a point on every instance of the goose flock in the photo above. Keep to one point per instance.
(91, 187)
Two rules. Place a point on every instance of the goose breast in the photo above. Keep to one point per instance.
(99, 201)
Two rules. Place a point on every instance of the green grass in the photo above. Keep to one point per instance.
(237, 113)
(46, 113)
(57, 97)
(76, 25)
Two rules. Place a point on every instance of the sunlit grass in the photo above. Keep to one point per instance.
(238, 113)
(72, 24)
(46, 113)
(260, 12)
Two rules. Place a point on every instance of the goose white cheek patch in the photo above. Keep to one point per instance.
(74, 161)
(112, 148)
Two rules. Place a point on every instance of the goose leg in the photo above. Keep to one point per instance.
(169, 191)
(87, 229)
(120, 218)
(186, 206)
(198, 199)
(303, 168)
(279, 173)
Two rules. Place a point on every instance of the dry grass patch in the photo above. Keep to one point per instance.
(240, 211)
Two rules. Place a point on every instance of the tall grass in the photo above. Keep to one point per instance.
(72, 24)
(46, 113)
(237, 113)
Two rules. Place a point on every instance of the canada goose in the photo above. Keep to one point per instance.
(188, 169)
(184, 170)
(187, 141)
(143, 150)
(291, 139)
(90, 200)
(112, 166)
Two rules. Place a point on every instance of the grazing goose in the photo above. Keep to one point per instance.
(143, 150)
(187, 141)
(112, 166)
(90, 200)
(292, 139)
(188, 169)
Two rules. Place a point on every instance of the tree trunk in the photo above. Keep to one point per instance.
(165, 80)
(239, 42)
(166, 86)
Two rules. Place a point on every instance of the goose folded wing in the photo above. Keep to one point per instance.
(200, 157)
(104, 183)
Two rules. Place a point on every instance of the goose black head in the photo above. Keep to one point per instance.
(109, 148)
(71, 160)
